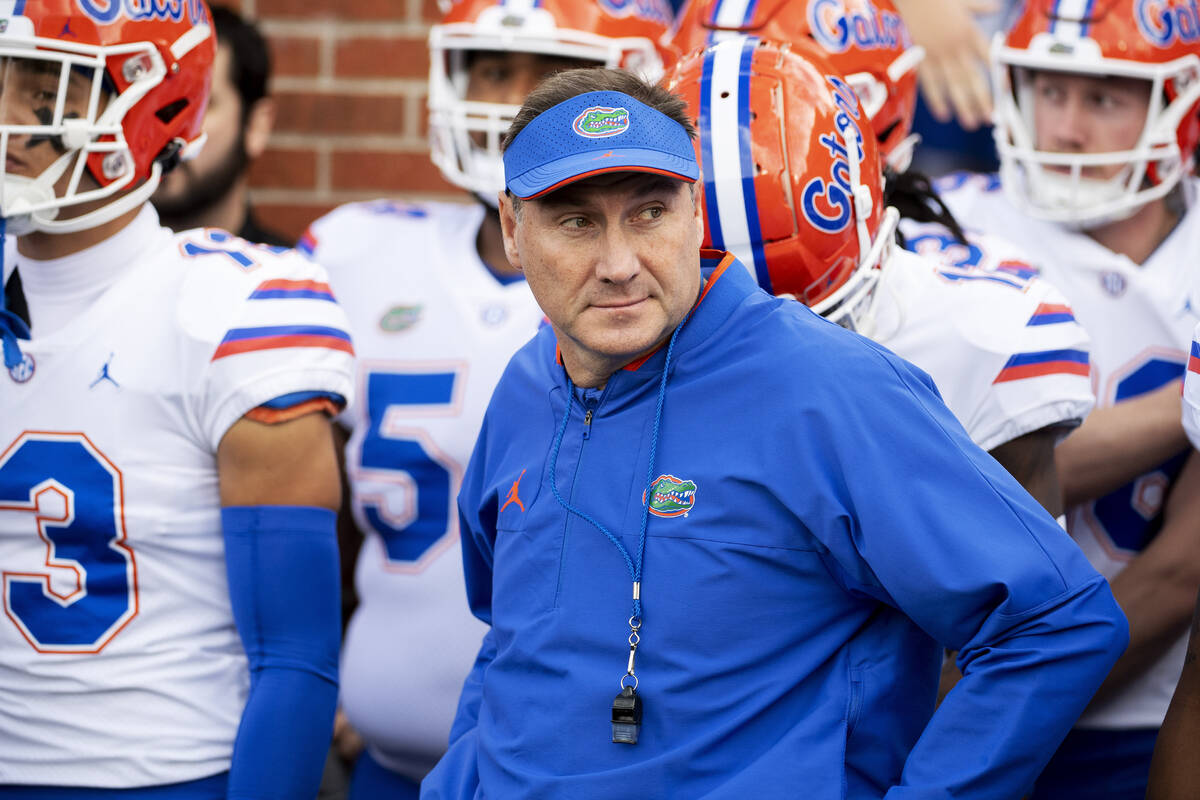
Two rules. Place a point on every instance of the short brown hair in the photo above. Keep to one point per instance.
(562, 86)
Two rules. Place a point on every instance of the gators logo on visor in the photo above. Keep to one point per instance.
(671, 496)
(599, 121)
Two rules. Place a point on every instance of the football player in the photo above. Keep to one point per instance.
(437, 311)
(167, 469)
(1097, 126)
(978, 334)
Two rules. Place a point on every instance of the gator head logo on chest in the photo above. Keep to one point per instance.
(671, 496)
(600, 121)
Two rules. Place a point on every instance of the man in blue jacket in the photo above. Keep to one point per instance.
(718, 539)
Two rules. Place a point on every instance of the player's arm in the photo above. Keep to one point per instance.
(1114, 445)
(279, 491)
(1157, 590)
(1030, 459)
(1174, 773)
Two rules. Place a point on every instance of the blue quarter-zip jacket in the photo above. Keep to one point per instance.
(842, 525)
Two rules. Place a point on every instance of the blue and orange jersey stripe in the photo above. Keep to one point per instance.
(271, 337)
(307, 243)
(1194, 361)
(1050, 314)
(1044, 362)
(292, 290)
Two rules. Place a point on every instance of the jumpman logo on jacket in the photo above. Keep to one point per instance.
(512, 494)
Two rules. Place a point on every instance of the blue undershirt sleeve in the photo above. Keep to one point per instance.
(282, 563)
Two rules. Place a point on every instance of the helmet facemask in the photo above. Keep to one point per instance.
(1148, 171)
(464, 134)
(55, 98)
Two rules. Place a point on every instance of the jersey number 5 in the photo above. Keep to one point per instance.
(84, 590)
(398, 457)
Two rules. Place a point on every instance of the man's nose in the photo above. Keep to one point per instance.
(524, 79)
(617, 256)
(1069, 124)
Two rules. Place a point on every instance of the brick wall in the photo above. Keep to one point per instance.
(350, 77)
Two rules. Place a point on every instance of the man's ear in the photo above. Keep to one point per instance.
(508, 229)
(699, 209)
(259, 124)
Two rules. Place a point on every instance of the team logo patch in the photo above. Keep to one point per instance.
(827, 204)
(1113, 283)
(400, 318)
(839, 27)
(671, 496)
(22, 372)
(1164, 24)
(494, 315)
(598, 122)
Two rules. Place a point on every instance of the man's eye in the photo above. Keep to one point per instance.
(492, 73)
(653, 212)
(575, 223)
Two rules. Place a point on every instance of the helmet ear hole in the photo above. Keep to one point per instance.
(171, 110)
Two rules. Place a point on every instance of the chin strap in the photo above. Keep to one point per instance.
(12, 327)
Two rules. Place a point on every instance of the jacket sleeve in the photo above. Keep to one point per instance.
(920, 518)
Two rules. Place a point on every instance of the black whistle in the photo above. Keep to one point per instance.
(626, 717)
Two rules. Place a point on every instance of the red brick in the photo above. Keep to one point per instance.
(285, 169)
(289, 219)
(295, 55)
(382, 57)
(342, 9)
(430, 11)
(387, 172)
(315, 112)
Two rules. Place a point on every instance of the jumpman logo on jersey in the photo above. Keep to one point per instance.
(512, 494)
(104, 376)
(1188, 308)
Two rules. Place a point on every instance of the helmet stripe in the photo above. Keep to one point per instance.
(1067, 21)
(729, 169)
(727, 17)
(712, 210)
(757, 263)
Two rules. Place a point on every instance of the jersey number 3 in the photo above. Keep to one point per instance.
(394, 454)
(78, 588)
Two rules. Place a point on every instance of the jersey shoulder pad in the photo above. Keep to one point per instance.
(981, 251)
(994, 310)
(356, 232)
(224, 278)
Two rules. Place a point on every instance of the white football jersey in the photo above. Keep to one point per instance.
(434, 330)
(120, 665)
(1140, 319)
(1004, 350)
(1191, 392)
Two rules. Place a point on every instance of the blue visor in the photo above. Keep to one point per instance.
(591, 134)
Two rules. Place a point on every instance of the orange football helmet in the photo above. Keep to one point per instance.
(793, 184)
(865, 40)
(144, 88)
(608, 33)
(1154, 40)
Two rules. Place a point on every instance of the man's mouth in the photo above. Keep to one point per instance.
(617, 305)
